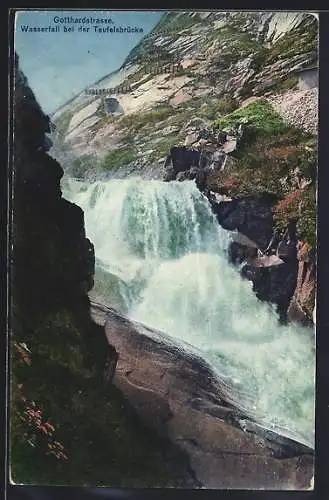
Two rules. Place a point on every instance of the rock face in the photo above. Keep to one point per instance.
(180, 160)
(273, 283)
(249, 216)
(236, 54)
(301, 307)
(176, 394)
(53, 269)
(270, 259)
(197, 161)
(52, 261)
(273, 272)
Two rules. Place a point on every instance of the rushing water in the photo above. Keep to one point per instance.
(161, 259)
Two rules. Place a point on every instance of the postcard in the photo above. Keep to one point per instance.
(163, 277)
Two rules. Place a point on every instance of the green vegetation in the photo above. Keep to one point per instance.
(136, 122)
(68, 427)
(182, 21)
(306, 223)
(205, 107)
(175, 22)
(181, 115)
(260, 117)
(105, 119)
(165, 19)
(298, 206)
(234, 44)
(171, 24)
(184, 72)
(117, 158)
(301, 40)
(280, 86)
(142, 73)
(211, 108)
(240, 42)
(277, 160)
(162, 147)
(146, 127)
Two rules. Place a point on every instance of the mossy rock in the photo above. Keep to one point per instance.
(258, 116)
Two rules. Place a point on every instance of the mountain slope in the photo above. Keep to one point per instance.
(230, 56)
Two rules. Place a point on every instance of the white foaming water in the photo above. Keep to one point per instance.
(160, 245)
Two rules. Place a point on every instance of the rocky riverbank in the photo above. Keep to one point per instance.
(177, 395)
(281, 272)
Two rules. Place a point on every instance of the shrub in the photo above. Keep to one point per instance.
(298, 206)
(182, 21)
(288, 209)
(306, 225)
(33, 437)
(282, 166)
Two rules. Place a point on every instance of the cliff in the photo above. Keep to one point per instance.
(69, 425)
(53, 261)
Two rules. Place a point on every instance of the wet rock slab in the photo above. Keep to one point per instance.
(176, 394)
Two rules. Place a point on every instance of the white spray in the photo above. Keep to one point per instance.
(162, 245)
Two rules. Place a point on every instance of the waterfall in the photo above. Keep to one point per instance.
(161, 258)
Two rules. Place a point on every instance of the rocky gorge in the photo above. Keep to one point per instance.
(218, 127)
(218, 123)
(62, 364)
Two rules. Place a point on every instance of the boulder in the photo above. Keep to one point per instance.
(176, 394)
(274, 283)
(251, 217)
(180, 159)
